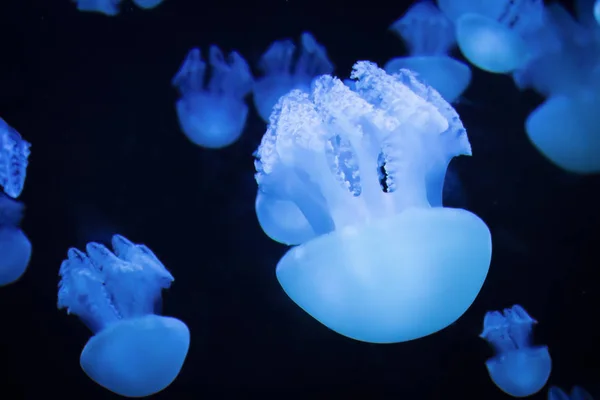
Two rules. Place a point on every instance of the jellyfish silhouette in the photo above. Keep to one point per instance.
(519, 368)
(133, 352)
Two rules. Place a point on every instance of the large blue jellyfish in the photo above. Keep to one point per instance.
(366, 169)
(518, 368)
(429, 35)
(214, 115)
(577, 393)
(15, 247)
(14, 155)
(491, 34)
(133, 352)
(106, 7)
(284, 70)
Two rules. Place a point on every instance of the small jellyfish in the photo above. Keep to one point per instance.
(147, 4)
(133, 352)
(213, 115)
(577, 393)
(284, 70)
(383, 260)
(492, 35)
(14, 155)
(15, 247)
(519, 368)
(429, 35)
(107, 7)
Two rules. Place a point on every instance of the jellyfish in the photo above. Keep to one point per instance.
(283, 70)
(106, 7)
(147, 4)
(597, 11)
(213, 115)
(15, 247)
(361, 166)
(577, 393)
(134, 352)
(429, 35)
(493, 35)
(519, 368)
(14, 155)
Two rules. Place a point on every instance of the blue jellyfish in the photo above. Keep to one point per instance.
(133, 352)
(492, 35)
(281, 74)
(577, 393)
(518, 368)
(15, 247)
(429, 35)
(214, 115)
(597, 11)
(107, 7)
(384, 265)
(147, 4)
(14, 155)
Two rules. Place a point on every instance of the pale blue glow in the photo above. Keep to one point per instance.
(429, 36)
(213, 115)
(14, 154)
(15, 247)
(147, 4)
(285, 68)
(597, 11)
(133, 352)
(360, 166)
(518, 368)
(107, 7)
(577, 393)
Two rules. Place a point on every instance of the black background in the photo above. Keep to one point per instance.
(92, 94)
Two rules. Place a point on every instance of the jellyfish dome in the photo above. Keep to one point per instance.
(429, 35)
(518, 368)
(147, 4)
(106, 7)
(14, 154)
(365, 168)
(577, 393)
(15, 247)
(133, 352)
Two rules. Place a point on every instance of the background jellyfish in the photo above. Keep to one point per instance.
(214, 115)
(133, 352)
(518, 368)
(15, 247)
(577, 393)
(14, 154)
(360, 165)
(429, 35)
(284, 70)
(147, 4)
(107, 7)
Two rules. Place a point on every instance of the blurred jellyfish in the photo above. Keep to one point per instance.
(213, 115)
(15, 247)
(14, 155)
(492, 34)
(429, 35)
(360, 166)
(597, 11)
(577, 393)
(518, 368)
(107, 7)
(147, 4)
(284, 69)
(133, 352)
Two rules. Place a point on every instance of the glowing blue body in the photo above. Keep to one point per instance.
(147, 4)
(429, 35)
(14, 154)
(363, 167)
(214, 115)
(106, 7)
(281, 74)
(15, 247)
(518, 368)
(133, 352)
(577, 393)
(597, 11)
